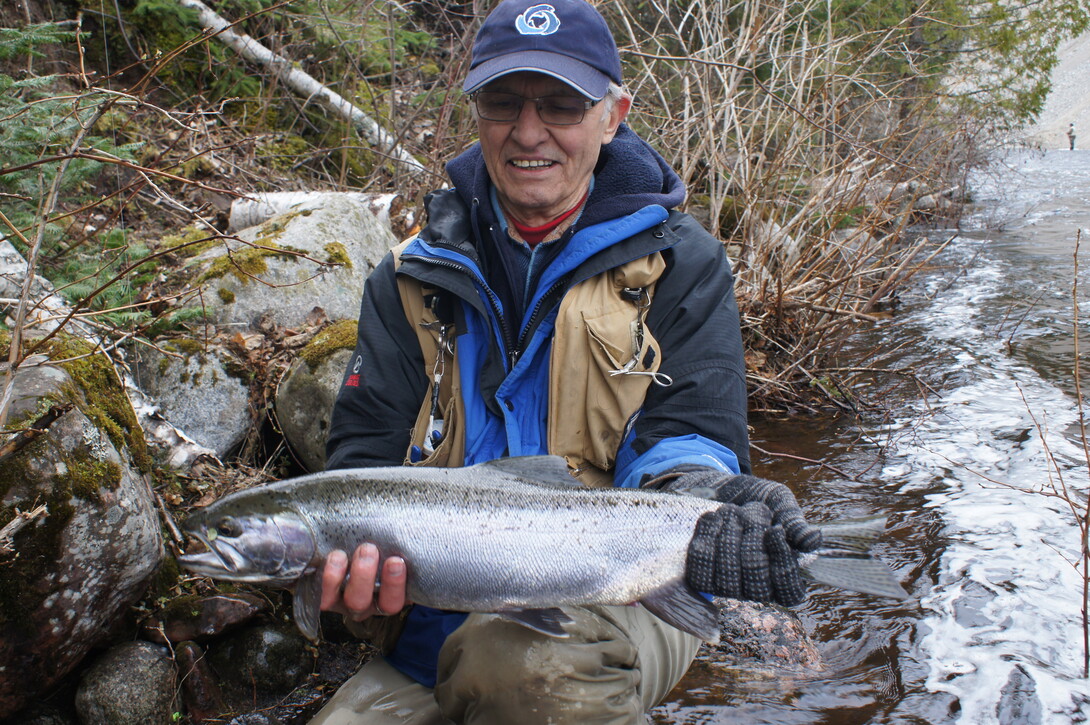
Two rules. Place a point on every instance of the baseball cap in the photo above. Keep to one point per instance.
(566, 39)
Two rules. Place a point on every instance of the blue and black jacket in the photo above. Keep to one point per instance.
(507, 299)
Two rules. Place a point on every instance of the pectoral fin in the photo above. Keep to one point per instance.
(307, 599)
(547, 621)
(681, 606)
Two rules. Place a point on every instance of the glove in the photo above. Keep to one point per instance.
(736, 552)
(748, 548)
(742, 489)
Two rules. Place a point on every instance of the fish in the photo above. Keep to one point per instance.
(518, 537)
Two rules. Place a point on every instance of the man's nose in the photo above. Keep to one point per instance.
(529, 129)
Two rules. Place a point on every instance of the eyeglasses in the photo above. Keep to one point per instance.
(553, 110)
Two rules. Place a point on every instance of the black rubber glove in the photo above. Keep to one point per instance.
(736, 552)
(742, 489)
(749, 547)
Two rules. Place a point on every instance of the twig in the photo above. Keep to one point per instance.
(838, 471)
(11, 528)
(27, 436)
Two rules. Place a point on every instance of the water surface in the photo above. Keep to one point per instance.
(992, 633)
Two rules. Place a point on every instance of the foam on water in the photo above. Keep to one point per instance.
(987, 452)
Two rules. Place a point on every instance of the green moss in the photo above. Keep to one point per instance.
(101, 396)
(226, 296)
(283, 154)
(341, 335)
(185, 345)
(191, 240)
(336, 253)
(250, 261)
(164, 365)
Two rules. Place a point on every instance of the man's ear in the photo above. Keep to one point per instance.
(616, 117)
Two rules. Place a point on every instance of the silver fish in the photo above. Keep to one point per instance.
(515, 536)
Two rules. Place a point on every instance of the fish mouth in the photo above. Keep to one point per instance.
(221, 560)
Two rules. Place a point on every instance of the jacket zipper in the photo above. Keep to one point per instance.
(505, 330)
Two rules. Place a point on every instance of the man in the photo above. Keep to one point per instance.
(555, 303)
(1071, 135)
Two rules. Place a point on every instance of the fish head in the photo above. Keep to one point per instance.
(270, 547)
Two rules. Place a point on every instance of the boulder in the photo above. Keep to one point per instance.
(69, 572)
(304, 399)
(318, 253)
(132, 682)
(204, 390)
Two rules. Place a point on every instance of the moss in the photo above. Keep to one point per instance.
(185, 345)
(83, 476)
(164, 365)
(251, 261)
(284, 154)
(336, 253)
(101, 396)
(191, 241)
(341, 335)
(226, 296)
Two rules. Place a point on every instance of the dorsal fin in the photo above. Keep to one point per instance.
(542, 470)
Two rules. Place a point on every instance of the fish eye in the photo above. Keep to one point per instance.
(228, 527)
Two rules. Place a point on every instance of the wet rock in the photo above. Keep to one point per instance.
(263, 662)
(763, 635)
(201, 389)
(201, 692)
(201, 618)
(132, 683)
(71, 574)
(1018, 702)
(304, 400)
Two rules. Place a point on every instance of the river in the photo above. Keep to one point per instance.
(984, 427)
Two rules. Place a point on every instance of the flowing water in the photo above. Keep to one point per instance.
(962, 466)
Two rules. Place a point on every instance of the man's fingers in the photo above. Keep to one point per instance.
(336, 566)
(391, 594)
(360, 589)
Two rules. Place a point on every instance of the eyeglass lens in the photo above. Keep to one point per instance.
(506, 107)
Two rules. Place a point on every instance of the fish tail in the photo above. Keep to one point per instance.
(845, 559)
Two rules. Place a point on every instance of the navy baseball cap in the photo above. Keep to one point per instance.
(566, 39)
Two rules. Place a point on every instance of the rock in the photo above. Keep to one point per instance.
(319, 252)
(72, 573)
(132, 683)
(304, 400)
(263, 662)
(39, 714)
(762, 635)
(1018, 702)
(201, 389)
(201, 618)
(200, 691)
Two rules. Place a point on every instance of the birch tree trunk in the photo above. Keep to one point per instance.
(304, 84)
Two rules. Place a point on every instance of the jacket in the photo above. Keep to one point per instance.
(504, 309)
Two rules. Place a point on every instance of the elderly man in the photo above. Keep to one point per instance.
(556, 302)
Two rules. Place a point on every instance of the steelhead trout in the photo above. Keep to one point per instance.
(516, 536)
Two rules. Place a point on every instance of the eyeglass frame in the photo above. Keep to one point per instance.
(587, 105)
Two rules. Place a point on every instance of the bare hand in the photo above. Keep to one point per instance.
(359, 598)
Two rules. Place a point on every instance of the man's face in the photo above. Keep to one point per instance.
(540, 170)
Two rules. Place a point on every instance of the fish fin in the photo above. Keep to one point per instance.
(307, 599)
(681, 606)
(547, 621)
(845, 561)
(854, 572)
(541, 470)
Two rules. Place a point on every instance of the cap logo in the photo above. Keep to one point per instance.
(538, 20)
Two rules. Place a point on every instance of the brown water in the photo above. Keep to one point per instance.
(992, 633)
